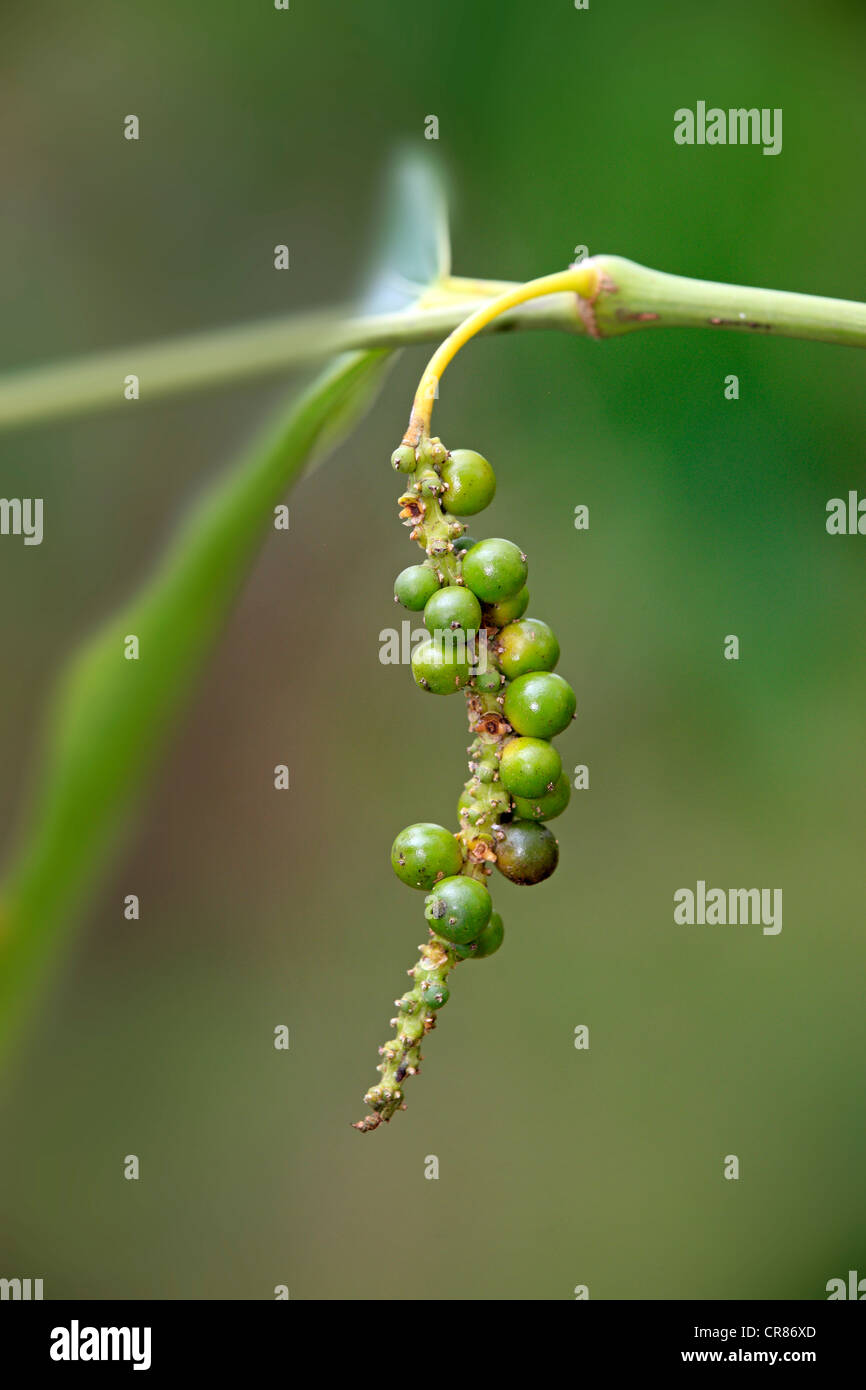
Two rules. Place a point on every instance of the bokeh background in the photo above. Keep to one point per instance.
(557, 1167)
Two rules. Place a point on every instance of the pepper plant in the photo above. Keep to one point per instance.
(107, 724)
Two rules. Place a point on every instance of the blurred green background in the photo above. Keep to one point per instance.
(557, 1167)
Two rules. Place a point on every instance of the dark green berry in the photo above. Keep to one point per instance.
(494, 569)
(527, 645)
(464, 543)
(506, 611)
(540, 704)
(459, 909)
(529, 766)
(415, 586)
(470, 483)
(423, 854)
(453, 607)
(434, 994)
(441, 664)
(487, 943)
(403, 459)
(545, 807)
(527, 852)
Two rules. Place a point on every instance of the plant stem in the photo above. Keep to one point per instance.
(245, 353)
(413, 1021)
(578, 280)
(631, 296)
(628, 297)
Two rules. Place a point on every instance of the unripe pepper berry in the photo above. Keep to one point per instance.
(508, 609)
(494, 569)
(424, 853)
(441, 664)
(529, 766)
(527, 645)
(415, 586)
(488, 681)
(463, 543)
(545, 807)
(540, 704)
(403, 459)
(487, 943)
(465, 810)
(527, 852)
(434, 994)
(459, 909)
(453, 607)
(470, 483)
(430, 484)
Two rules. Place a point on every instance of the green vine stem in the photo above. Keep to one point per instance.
(629, 297)
(402, 1053)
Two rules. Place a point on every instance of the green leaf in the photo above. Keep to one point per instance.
(413, 246)
(110, 715)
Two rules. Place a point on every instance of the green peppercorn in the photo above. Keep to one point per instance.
(494, 569)
(403, 459)
(434, 994)
(459, 909)
(438, 547)
(527, 852)
(430, 484)
(423, 854)
(441, 664)
(487, 943)
(470, 483)
(529, 766)
(453, 607)
(539, 704)
(499, 614)
(415, 586)
(527, 645)
(545, 807)
(436, 452)
(488, 681)
(464, 543)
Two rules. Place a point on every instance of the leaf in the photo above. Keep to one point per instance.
(414, 247)
(110, 715)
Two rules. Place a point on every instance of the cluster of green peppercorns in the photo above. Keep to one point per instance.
(473, 597)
